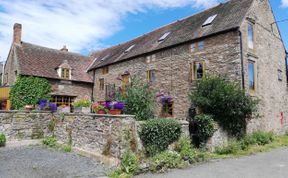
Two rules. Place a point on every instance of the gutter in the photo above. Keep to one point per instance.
(242, 59)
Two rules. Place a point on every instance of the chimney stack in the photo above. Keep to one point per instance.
(17, 33)
(64, 49)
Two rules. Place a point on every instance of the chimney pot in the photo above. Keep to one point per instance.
(64, 49)
(17, 31)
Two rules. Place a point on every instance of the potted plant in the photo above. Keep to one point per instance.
(99, 108)
(115, 107)
(82, 106)
(46, 105)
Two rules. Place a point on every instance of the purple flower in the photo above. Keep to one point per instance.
(52, 106)
(119, 105)
(107, 105)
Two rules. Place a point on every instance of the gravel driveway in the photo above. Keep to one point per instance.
(39, 162)
(263, 165)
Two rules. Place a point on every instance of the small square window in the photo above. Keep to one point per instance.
(105, 70)
(201, 45)
(65, 73)
(280, 77)
(167, 109)
(101, 84)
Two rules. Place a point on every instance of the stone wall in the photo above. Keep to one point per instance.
(269, 57)
(221, 54)
(90, 132)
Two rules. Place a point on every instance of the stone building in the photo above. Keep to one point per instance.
(238, 39)
(65, 71)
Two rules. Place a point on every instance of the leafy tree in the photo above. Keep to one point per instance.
(225, 101)
(28, 91)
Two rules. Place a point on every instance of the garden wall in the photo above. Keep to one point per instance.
(89, 132)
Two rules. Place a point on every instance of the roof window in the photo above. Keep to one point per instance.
(163, 37)
(129, 49)
(103, 59)
(209, 20)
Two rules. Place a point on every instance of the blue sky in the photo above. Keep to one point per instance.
(85, 26)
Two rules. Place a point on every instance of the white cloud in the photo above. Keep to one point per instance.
(284, 3)
(78, 24)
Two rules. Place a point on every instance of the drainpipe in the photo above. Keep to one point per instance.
(286, 60)
(242, 59)
(92, 93)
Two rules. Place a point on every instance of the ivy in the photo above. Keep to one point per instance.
(28, 91)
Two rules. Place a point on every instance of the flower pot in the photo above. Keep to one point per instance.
(101, 112)
(29, 107)
(84, 110)
(115, 111)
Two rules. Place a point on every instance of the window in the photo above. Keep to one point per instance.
(163, 37)
(197, 70)
(110, 92)
(251, 77)
(63, 100)
(151, 58)
(105, 70)
(201, 45)
(250, 36)
(151, 75)
(125, 82)
(101, 84)
(280, 77)
(209, 20)
(129, 49)
(167, 109)
(193, 47)
(65, 73)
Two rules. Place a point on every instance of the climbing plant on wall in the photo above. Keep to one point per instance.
(28, 91)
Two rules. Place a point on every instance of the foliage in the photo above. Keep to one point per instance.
(50, 141)
(67, 148)
(46, 105)
(28, 91)
(166, 160)
(129, 162)
(187, 153)
(225, 101)
(82, 103)
(231, 148)
(157, 134)
(205, 127)
(257, 138)
(139, 100)
(98, 107)
(2, 140)
(107, 147)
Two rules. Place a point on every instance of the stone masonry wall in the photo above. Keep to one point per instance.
(70, 88)
(9, 72)
(221, 54)
(90, 132)
(269, 57)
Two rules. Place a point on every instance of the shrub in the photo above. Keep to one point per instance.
(165, 160)
(225, 101)
(28, 91)
(129, 162)
(256, 138)
(50, 141)
(139, 100)
(157, 134)
(231, 148)
(67, 148)
(46, 105)
(187, 153)
(2, 140)
(205, 127)
(82, 103)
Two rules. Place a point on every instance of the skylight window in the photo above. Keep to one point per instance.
(163, 37)
(103, 59)
(129, 49)
(209, 20)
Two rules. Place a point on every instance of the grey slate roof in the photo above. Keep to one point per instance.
(229, 16)
(40, 61)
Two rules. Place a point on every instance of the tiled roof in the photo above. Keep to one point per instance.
(40, 61)
(229, 16)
